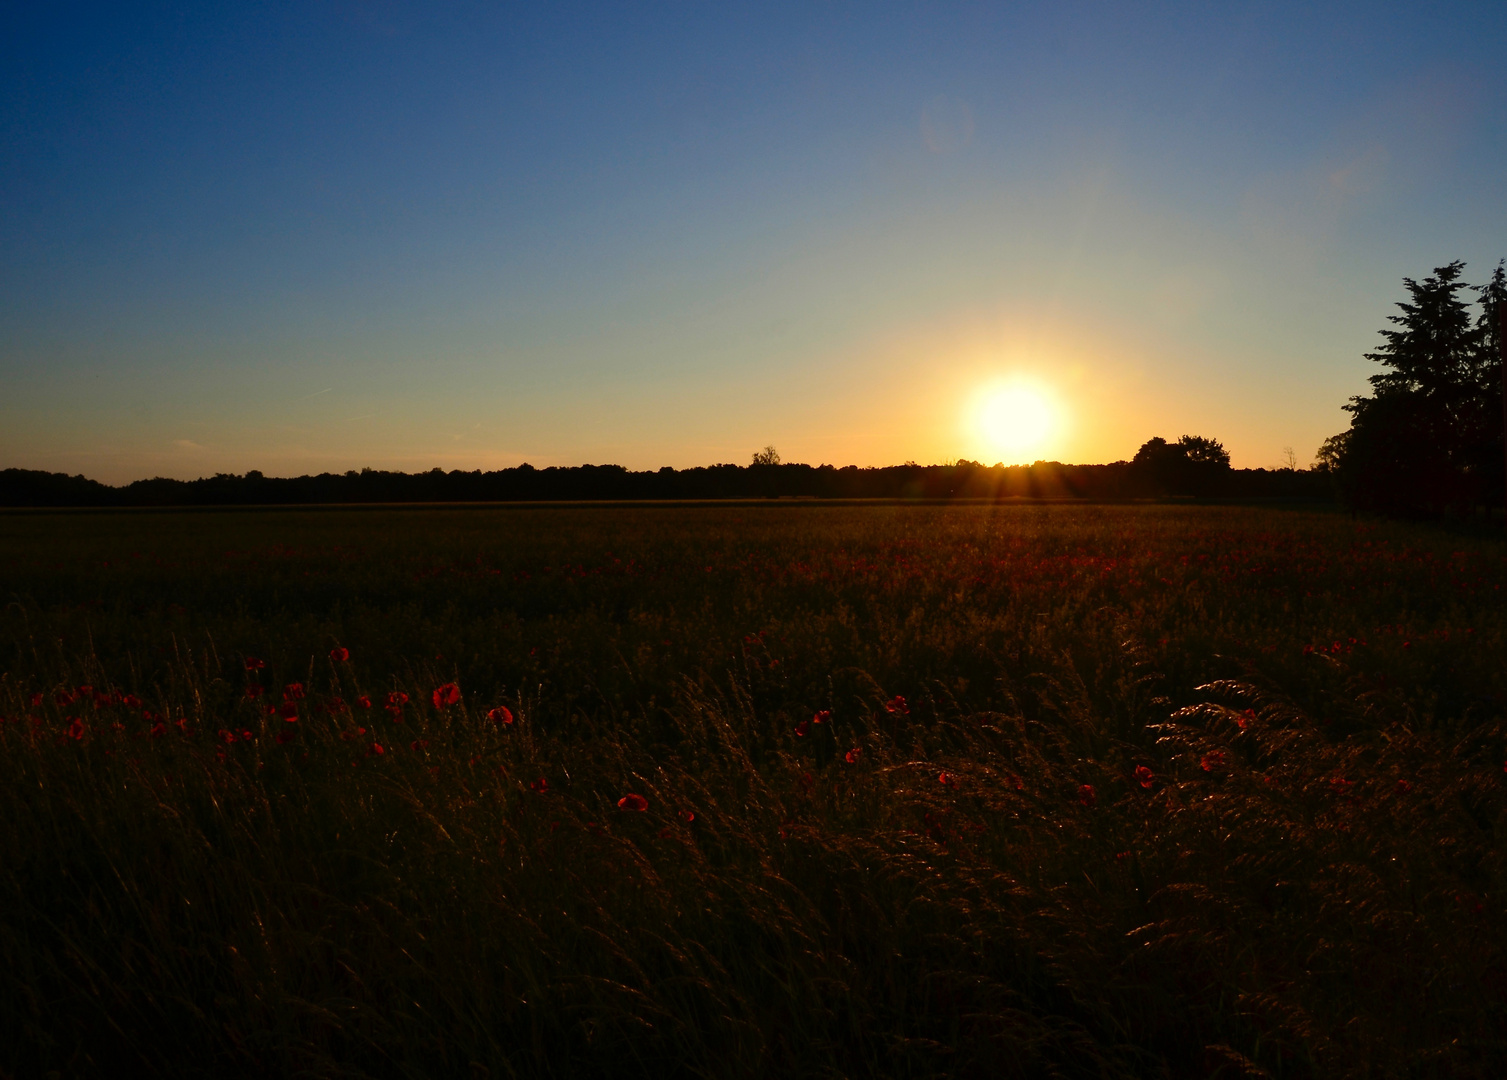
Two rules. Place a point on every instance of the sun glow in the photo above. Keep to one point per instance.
(1015, 419)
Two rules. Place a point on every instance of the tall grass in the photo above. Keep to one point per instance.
(1093, 792)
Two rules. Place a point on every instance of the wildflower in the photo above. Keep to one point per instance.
(340, 655)
(245, 735)
(1245, 719)
(501, 715)
(76, 729)
(821, 716)
(446, 695)
(253, 690)
(376, 750)
(364, 701)
(286, 736)
(419, 744)
(946, 779)
(1086, 794)
(807, 781)
(293, 692)
(1339, 785)
(63, 699)
(633, 802)
(253, 664)
(1403, 787)
(665, 833)
(36, 700)
(1144, 776)
(897, 705)
(85, 691)
(851, 757)
(540, 785)
(397, 697)
(687, 816)
(288, 710)
(1214, 759)
(802, 729)
(227, 737)
(159, 729)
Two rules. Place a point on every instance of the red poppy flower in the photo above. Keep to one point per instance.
(446, 695)
(253, 664)
(897, 704)
(1214, 759)
(288, 711)
(540, 785)
(159, 729)
(946, 779)
(1403, 787)
(851, 757)
(1144, 776)
(253, 690)
(802, 728)
(85, 691)
(293, 692)
(1245, 719)
(687, 816)
(1087, 795)
(63, 699)
(340, 655)
(364, 701)
(286, 736)
(501, 715)
(245, 735)
(665, 833)
(633, 802)
(131, 701)
(418, 744)
(397, 698)
(226, 737)
(821, 716)
(76, 729)
(376, 750)
(1339, 785)
(36, 700)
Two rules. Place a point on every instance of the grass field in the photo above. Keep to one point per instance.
(751, 790)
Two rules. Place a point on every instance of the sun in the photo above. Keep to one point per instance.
(1014, 419)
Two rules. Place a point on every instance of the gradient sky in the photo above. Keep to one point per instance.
(324, 235)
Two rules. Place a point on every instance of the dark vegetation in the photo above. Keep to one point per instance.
(751, 790)
(1168, 471)
(1428, 440)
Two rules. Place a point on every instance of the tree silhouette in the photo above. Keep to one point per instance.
(1429, 436)
(767, 456)
(1193, 465)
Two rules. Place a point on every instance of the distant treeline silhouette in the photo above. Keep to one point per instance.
(1160, 469)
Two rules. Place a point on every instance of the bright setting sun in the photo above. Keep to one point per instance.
(1014, 420)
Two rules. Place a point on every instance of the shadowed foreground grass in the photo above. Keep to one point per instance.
(1038, 791)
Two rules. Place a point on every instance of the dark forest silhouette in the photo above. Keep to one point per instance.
(1192, 466)
(1429, 438)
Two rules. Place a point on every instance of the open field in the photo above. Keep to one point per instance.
(1028, 790)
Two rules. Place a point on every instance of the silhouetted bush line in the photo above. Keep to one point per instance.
(963, 480)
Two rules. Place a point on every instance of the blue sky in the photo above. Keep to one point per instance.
(299, 237)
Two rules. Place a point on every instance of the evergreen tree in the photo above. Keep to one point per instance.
(1429, 435)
